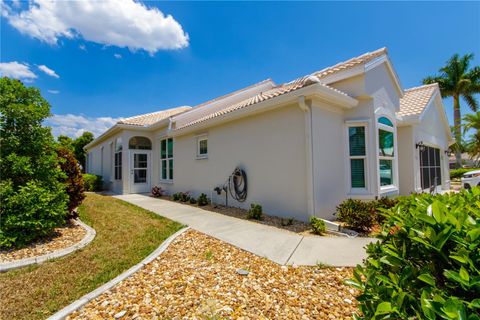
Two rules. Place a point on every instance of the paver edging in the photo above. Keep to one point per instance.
(89, 236)
(74, 306)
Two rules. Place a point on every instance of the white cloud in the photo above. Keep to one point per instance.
(121, 23)
(53, 91)
(48, 71)
(82, 47)
(17, 70)
(75, 125)
(117, 55)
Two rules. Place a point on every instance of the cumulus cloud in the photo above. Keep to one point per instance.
(17, 70)
(117, 55)
(48, 71)
(75, 125)
(53, 91)
(121, 23)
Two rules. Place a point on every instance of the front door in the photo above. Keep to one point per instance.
(139, 171)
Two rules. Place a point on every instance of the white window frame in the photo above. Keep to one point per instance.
(168, 157)
(200, 138)
(366, 189)
(393, 130)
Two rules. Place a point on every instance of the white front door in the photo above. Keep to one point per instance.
(139, 171)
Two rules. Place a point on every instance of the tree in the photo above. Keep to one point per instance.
(65, 142)
(458, 80)
(472, 122)
(78, 146)
(33, 201)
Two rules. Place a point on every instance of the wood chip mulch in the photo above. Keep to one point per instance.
(197, 277)
(62, 237)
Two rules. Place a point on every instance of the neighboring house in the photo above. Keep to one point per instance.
(347, 131)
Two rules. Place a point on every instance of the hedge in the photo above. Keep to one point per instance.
(92, 182)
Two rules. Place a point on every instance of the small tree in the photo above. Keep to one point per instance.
(73, 180)
(65, 142)
(79, 144)
(33, 201)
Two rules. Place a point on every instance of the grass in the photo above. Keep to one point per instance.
(125, 235)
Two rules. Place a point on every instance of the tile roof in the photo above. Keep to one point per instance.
(269, 94)
(416, 99)
(351, 63)
(154, 117)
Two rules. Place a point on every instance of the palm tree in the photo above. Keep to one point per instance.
(472, 121)
(457, 79)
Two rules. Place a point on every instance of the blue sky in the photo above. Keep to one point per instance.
(99, 69)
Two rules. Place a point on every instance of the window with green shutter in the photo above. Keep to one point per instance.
(166, 159)
(357, 149)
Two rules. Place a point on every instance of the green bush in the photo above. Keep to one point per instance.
(176, 196)
(181, 196)
(255, 212)
(318, 225)
(458, 173)
(203, 200)
(193, 200)
(427, 262)
(157, 192)
(92, 182)
(30, 212)
(357, 214)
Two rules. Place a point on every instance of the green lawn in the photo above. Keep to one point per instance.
(125, 235)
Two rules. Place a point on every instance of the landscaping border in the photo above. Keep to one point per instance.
(74, 306)
(90, 235)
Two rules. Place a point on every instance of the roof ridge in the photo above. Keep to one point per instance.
(232, 93)
(424, 86)
(155, 112)
(372, 54)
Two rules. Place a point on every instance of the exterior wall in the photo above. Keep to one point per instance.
(407, 158)
(100, 162)
(328, 136)
(432, 133)
(270, 147)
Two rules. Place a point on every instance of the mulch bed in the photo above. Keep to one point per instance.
(197, 278)
(283, 223)
(60, 238)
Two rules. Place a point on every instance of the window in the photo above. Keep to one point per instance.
(202, 147)
(386, 151)
(118, 159)
(357, 147)
(166, 158)
(430, 168)
(140, 143)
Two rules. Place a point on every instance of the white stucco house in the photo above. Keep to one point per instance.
(347, 131)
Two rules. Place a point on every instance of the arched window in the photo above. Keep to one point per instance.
(118, 159)
(386, 151)
(140, 143)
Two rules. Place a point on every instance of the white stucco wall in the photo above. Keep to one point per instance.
(270, 147)
(407, 156)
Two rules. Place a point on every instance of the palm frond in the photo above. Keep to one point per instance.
(471, 102)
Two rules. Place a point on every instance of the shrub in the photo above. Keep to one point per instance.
(382, 204)
(357, 214)
(287, 222)
(203, 200)
(193, 200)
(73, 180)
(158, 192)
(176, 196)
(255, 212)
(181, 196)
(425, 265)
(458, 173)
(30, 212)
(318, 225)
(92, 182)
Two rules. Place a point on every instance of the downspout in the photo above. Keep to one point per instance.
(307, 110)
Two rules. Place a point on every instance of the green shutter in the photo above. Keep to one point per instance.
(163, 149)
(357, 141)
(164, 169)
(357, 167)
(170, 147)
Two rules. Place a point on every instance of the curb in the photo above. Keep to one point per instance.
(91, 233)
(63, 313)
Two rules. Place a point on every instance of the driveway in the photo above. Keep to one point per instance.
(280, 246)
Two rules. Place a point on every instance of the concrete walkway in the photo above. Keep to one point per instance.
(280, 246)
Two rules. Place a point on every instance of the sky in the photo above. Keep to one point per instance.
(96, 62)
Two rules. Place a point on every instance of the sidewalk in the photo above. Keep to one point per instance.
(280, 246)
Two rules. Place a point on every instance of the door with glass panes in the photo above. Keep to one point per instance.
(139, 171)
(430, 168)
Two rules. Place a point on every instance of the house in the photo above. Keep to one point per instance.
(347, 131)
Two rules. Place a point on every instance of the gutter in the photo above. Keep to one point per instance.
(307, 110)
